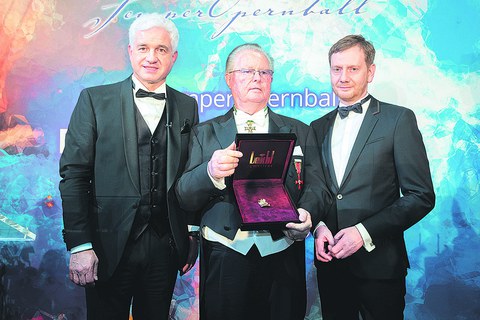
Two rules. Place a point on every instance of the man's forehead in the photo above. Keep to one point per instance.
(251, 57)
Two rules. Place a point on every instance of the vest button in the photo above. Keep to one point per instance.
(339, 196)
(221, 198)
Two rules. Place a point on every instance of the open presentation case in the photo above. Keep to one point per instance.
(259, 180)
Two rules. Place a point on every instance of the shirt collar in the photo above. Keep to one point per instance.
(258, 117)
(138, 85)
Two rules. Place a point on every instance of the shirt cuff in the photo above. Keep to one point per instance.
(321, 223)
(192, 228)
(367, 240)
(82, 247)
(219, 184)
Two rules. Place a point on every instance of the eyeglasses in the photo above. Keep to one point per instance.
(250, 73)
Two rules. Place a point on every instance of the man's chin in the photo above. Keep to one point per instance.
(152, 80)
(256, 95)
(343, 95)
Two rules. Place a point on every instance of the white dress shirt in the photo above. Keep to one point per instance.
(244, 240)
(150, 108)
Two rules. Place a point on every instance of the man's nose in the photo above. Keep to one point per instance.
(256, 75)
(344, 75)
(151, 56)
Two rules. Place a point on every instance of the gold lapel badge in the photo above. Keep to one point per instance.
(250, 126)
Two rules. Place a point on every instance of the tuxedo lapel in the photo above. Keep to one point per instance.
(173, 137)
(130, 132)
(366, 129)
(327, 152)
(225, 129)
(276, 124)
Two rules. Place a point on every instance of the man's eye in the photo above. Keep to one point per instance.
(247, 71)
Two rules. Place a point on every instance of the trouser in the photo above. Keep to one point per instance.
(146, 273)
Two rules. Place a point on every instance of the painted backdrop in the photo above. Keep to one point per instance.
(428, 60)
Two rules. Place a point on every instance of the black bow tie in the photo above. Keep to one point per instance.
(357, 107)
(142, 94)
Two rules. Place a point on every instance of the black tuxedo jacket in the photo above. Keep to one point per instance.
(387, 186)
(99, 166)
(218, 208)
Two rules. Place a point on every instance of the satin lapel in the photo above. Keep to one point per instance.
(130, 132)
(225, 129)
(276, 124)
(327, 152)
(366, 129)
(174, 147)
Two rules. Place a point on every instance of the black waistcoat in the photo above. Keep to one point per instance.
(152, 159)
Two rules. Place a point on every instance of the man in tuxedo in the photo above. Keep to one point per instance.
(377, 171)
(126, 145)
(248, 274)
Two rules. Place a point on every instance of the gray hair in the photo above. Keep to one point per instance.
(352, 41)
(243, 47)
(151, 20)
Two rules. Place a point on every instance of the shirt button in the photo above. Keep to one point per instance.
(339, 196)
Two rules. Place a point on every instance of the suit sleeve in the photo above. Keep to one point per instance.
(195, 189)
(76, 171)
(413, 172)
(193, 217)
(315, 197)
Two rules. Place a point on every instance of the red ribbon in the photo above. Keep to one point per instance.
(298, 168)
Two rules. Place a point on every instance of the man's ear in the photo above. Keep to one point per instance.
(371, 72)
(227, 79)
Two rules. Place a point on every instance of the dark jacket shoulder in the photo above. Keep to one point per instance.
(180, 96)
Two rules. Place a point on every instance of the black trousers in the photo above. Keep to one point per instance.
(146, 274)
(236, 286)
(344, 296)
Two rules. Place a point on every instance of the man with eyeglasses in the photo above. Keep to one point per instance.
(248, 274)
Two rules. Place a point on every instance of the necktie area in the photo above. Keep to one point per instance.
(357, 107)
(143, 94)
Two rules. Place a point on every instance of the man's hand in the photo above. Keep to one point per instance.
(299, 231)
(347, 242)
(223, 162)
(83, 267)
(192, 254)
(323, 240)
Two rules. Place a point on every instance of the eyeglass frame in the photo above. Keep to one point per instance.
(267, 73)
